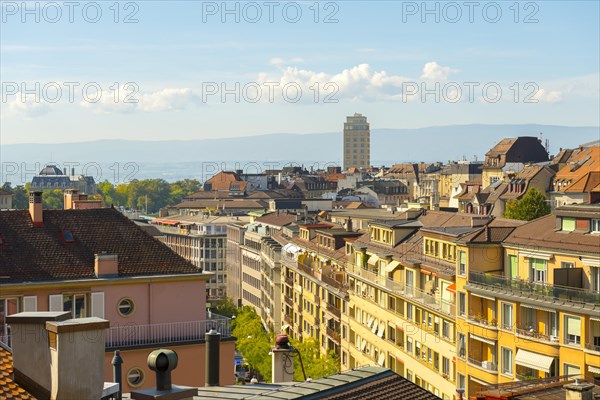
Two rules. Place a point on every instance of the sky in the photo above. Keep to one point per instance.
(155, 70)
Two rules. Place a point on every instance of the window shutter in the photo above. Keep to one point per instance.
(98, 304)
(55, 302)
(573, 326)
(30, 303)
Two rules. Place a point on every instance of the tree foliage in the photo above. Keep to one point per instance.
(533, 205)
(255, 343)
(226, 307)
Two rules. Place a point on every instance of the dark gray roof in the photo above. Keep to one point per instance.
(365, 383)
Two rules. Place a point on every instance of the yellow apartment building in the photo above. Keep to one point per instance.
(533, 310)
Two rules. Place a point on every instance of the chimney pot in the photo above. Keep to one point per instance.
(36, 208)
(212, 369)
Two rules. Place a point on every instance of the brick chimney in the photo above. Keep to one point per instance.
(35, 208)
(106, 265)
(71, 195)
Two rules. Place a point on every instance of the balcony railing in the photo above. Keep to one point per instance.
(483, 321)
(593, 346)
(533, 334)
(542, 291)
(288, 301)
(432, 301)
(333, 310)
(333, 334)
(487, 365)
(167, 333)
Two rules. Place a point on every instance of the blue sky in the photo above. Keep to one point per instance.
(372, 57)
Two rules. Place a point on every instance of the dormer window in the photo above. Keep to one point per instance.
(67, 236)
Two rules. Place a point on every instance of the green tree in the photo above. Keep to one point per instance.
(20, 197)
(253, 341)
(316, 364)
(226, 307)
(53, 199)
(181, 189)
(533, 205)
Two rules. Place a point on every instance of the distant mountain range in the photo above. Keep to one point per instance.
(441, 143)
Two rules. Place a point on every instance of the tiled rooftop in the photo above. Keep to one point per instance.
(8, 388)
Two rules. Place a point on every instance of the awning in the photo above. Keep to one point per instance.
(591, 262)
(594, 370)
(479, 381)
(291, 248)
(531, 254)
(538, 308)
(484, 340)
(381, 330)
(533, 360)
(424, 271)
(370, 321)
(373, 259)
(381, 359)
(391, 266)
(351, 304)
(284, 327)
(483, 297)
(452, 288)
(364, 345)
(164, 221)
(375, 327)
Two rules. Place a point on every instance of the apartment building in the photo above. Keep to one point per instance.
(233, 261)
(315, 289)
(98, 263)
(579, 180)
(5, 200)
(509, 156)
(401, 309)
(533, 310)
(202, 240)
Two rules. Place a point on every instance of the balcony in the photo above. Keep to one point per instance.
(289, 280)
(593, 347)
(529, 333)
(485, 365)
(478, 319)
(333, 310)
(164, 334)
(582, 299)
(434, 302)
(333, 334)
(288, 301)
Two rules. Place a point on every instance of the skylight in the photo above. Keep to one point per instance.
(68, 236)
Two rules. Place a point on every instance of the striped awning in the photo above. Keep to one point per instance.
(594, 370)
(533, 360)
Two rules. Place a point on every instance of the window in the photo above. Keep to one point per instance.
(462, 263)
(68, 236)
(571, 369)
(409, 311)
(462, 345)
(513, 267)
(462, 304)
(595, 226)
(446, 366)
(126, 307)
(507, 361)
(135, 377)
(446, 329)
(76, 304)
(537, 270)
(595, 278)
(409, 346)
(409, 375)
(566, 264)
(572, 330)
(568, 224)
(507, 316)
(462, 381)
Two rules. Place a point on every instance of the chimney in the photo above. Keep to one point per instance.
(35, 208)
(71, 195)
(349, 224)
(579, 390)
(106, 265)
(29, 342)
(77, 358)
(213, 345)
(282, 360)
(163, 362)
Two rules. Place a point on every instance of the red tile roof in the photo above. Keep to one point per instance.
(9, 389)
(40, 253)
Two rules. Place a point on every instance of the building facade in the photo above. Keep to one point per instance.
(357, 142)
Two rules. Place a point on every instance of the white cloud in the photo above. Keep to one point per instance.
(130, 100)
(432, 71)
(280, 62)
(14, 105)
(543, 96)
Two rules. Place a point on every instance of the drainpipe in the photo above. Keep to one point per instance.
(117, 361)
